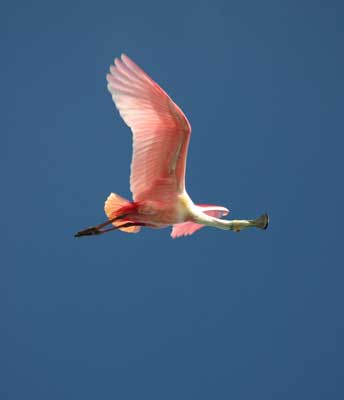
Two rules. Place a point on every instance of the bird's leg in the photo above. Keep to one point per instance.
(96, 230)
(92, 232)
(126, 225)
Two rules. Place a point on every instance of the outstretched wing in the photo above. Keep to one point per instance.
(161, 132)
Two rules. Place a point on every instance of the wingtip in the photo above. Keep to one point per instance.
(117, 62)
(124, 57)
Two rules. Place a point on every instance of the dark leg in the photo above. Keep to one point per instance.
(96, 231)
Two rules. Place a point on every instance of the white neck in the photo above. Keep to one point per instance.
(236, 225)
(198, 216)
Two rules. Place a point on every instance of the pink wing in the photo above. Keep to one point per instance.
(188, 228)
(185, 229)
(161, 132)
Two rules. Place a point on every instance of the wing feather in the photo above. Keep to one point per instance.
(161, 132)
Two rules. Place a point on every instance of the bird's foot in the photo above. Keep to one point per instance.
(89, 232)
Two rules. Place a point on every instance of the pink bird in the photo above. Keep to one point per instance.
(161, 135)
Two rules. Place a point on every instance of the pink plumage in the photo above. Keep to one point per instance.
(161, 132)
(161, 135)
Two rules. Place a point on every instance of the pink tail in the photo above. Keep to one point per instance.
(116, 205)
(188, 228)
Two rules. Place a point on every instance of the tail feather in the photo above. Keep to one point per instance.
(113, 204)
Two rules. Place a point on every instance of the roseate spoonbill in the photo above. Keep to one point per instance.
(161, 134)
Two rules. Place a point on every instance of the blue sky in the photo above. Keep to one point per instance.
(218, 315)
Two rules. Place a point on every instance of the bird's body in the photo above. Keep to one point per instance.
(161, 135)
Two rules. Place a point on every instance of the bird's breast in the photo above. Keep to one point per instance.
(161, 213)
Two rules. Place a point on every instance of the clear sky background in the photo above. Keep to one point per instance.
(218, 315)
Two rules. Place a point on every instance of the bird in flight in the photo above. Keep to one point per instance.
(161, 135)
